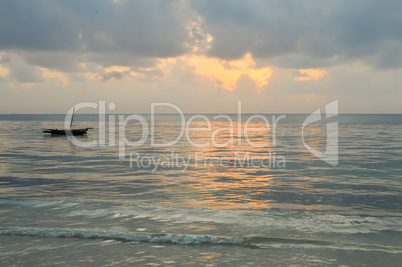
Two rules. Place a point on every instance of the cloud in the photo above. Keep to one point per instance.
(310, 33)
(310, 74)
(106, 32)
(56, 60)
(48, 74)
(225, 74)
(61, 35)
(113, 74)
(202, 55)
(21, 72)
(3, 71)
(4, 59)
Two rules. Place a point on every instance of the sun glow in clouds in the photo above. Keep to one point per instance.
(3, 71)
(226, 73)
(50, 74)
(223, 73)
(310, 74)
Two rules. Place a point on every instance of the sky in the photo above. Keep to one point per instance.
(203, 56)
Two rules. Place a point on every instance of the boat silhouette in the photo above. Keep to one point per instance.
(71, 130)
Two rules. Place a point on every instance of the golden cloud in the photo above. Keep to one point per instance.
(310, 74)
(49, 74)
(226, 73)
(3, 71)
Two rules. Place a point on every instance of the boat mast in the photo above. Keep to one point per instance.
(72, 118)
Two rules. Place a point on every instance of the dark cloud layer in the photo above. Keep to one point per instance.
(87, 29)
(150, 28)
(306, 33)
(292, 34)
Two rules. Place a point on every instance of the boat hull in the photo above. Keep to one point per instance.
(64, 132)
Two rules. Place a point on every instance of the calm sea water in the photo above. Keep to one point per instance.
(62, 204)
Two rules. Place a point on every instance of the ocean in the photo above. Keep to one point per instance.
(213, 196)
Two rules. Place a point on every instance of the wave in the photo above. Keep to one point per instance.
(123, 236)
(277, 221)
(256, 242)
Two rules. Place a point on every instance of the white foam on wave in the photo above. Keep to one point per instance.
(125, 236)
(275, 220)
(305, 221)
(183, 239)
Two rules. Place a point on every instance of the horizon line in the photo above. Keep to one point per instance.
(260, 113)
